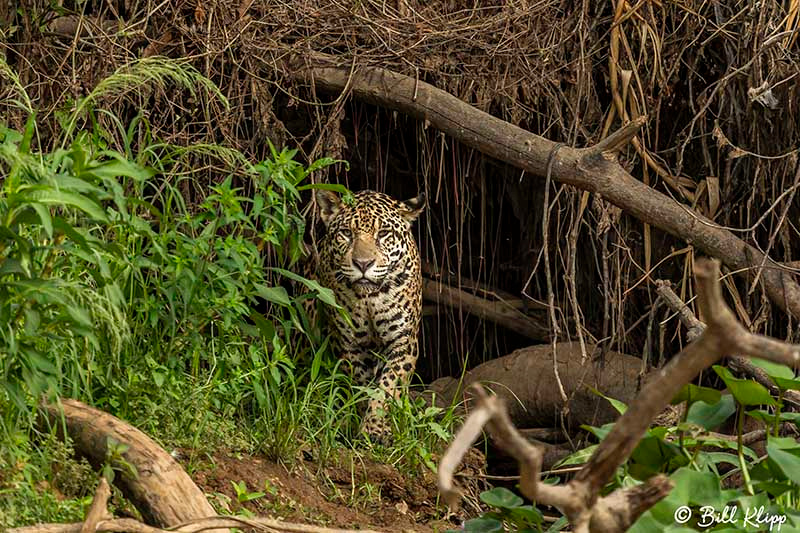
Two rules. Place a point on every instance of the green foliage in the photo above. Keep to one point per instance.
(184, 319)
(509, 513)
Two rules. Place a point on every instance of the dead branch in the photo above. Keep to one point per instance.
(128, 525)
(581, 168)
(161, 490)
(619, 139)
(98, 508)
(579, 499)
(498, 311)
(692, 324)
(160, 476)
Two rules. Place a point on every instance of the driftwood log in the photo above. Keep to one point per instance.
(526, 381)
(594, 169)
(580, 498)
(162, 491)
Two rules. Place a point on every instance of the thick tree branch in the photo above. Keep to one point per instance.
(161, 489)
(578, 167)
(496, 311)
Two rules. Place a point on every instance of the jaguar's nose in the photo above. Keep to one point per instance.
(363, 264)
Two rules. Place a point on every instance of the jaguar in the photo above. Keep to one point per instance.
(369, 259)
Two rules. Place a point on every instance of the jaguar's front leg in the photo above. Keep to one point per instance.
(401, 359)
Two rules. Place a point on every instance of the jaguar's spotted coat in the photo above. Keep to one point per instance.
(368, 257)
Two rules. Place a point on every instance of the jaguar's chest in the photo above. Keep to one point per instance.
(377, 316)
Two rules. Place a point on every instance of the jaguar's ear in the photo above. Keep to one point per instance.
(410, 209)
(329, 204)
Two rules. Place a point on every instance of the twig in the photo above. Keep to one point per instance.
(617, 140)
(98, 508)
(555, 330)
(693, 325)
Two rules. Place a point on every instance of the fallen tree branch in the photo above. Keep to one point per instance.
(579, 499)
(589, 169)
(128, 525)
(98, 509)
(162, 491)
(497, 311)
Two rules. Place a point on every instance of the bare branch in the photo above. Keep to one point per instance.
(498, 311)
(98, 509)
(128, 525)
(617, 140)
(695, 327)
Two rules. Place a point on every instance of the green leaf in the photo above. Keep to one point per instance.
(785, 452)
(711, 416)
(526, 514)
(577, 458)
(774, 370)
(501, 497)
(695, 393)
(45, 218)
(323, 293)
(745, 391)
(786, 384)
(30, 127)
(53, 197)
(698, 488)
(616, 404)
(275, 295)
(483, 525)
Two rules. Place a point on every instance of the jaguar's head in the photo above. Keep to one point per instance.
(368, 239)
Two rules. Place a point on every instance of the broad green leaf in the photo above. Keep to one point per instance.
(616, 404)
(785, 452)
(745, 391)
(774, 370)
(526, 514)
(276, 295)
(698, 488)
(711, 416)
(483, 525)
(577, 458)
(787, 384)
(501, 497)
(695, 393)
(53, 197)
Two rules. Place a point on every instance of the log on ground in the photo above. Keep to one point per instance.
(526, 381)
(162, 491)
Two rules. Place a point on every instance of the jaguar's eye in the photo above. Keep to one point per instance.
(382, 234)
(346, 233)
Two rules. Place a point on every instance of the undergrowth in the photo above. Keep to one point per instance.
(183, 320)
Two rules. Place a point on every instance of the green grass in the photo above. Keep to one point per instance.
(182, 319)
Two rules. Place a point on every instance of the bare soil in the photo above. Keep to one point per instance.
(355, 493)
